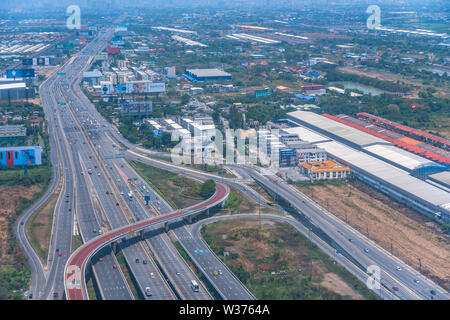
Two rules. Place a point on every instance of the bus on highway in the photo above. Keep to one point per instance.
(194, 285)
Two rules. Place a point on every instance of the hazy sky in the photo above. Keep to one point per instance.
(11, 4)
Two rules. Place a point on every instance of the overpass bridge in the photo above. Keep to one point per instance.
(74, 273)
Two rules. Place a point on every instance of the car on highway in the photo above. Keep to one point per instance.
(59, 254)
(152, 275)
(148, 293)
(137, 260)
(366, 250)
(398, 268)
(114, 267)
(395, 288)
(100, 259)
(350, 239)
(416, 281)
(144, 261)
(215, 273)
(432, 292)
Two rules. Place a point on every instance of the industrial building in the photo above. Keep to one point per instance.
(314, 90)
(405, 142)
(9, 131)
(206, 74)
(20, 156)
(16, 91)
(405, 130)
(375, 161)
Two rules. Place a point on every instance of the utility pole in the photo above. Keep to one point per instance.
(259, 211)
(310, 254)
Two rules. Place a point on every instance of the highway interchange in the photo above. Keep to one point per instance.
(88, 156)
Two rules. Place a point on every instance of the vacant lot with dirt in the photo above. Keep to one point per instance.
(10, 199)
(384, 220)
(274, 261)
(14, 272)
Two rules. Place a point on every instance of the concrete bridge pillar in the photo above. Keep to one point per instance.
(166, 226)
(190, 219)
(115, 247)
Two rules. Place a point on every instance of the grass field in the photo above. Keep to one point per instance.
(39, 226)
(177, 190)
(274, 262)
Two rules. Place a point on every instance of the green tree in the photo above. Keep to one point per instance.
(208, 188)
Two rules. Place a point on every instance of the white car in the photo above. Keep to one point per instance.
(148, 293)
(398, 268)
(152, 275)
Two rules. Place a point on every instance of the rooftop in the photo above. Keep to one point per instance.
(208, 72)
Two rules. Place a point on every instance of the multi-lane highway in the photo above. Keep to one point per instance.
(89, 168)
(397, 277)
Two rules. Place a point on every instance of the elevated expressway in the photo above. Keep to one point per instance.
(74, 284)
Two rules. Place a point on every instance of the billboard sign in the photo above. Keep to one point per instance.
(27, 62)
(20, 73)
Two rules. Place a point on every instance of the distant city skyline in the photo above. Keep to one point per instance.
(109, 4)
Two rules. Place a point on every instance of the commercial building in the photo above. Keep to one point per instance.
(324, 170)
(202, 128)
(273, 149)
(93, 76)
(206, 74)
(9, 131)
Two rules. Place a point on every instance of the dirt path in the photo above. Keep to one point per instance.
(383, 219)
